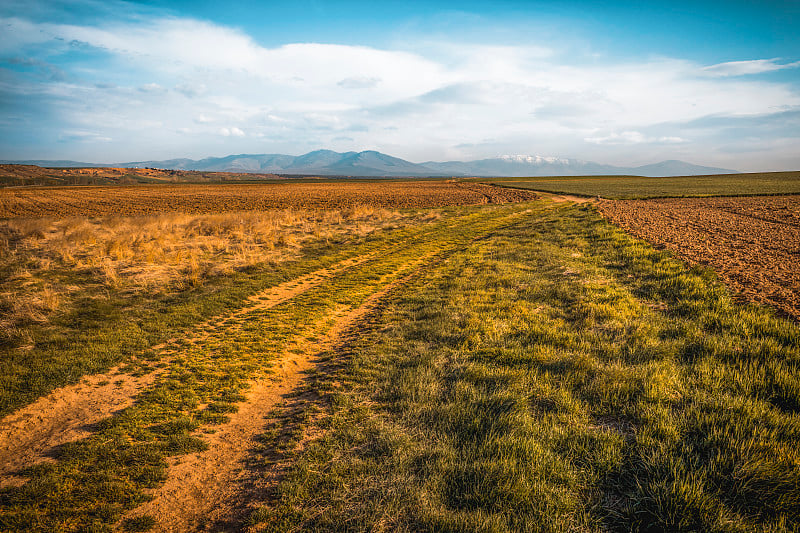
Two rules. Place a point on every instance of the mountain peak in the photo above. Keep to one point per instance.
(534, 159)
(374, 163)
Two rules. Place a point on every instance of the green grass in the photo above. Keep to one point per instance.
(101, 332)
(558, 375)
(107, 327)
(96, 479)
(619, 187)
(544, 372)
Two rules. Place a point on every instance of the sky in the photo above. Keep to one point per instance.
(622, 83)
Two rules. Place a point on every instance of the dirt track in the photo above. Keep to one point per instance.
(205, 488)
(30, 435)
(752, 242)
(268, 341)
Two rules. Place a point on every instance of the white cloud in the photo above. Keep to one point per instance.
(359, 82)
(231, 132)
(633, 137)
(742, 68)
(151, 88)
(191, 90)
(626, 137)
(478, 99)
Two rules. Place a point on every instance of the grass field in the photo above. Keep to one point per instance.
(618, 187)
(102, 285)
(515, 367)
(558, 375)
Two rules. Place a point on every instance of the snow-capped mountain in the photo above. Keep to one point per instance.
(372, 163)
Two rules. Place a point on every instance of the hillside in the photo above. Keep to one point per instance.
(372, 163)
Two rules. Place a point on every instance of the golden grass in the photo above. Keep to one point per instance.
(48, 261)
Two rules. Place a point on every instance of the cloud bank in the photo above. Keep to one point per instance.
(163, 86)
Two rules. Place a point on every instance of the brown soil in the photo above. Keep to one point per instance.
(206, 489)
(561, 198)
(29, 435)
(753, 243)
(26, 175)
(149, 199)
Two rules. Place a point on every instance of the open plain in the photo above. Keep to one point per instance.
(627, 187)
(399, 267)
(217, 198)
(405, 356)
(27, 175)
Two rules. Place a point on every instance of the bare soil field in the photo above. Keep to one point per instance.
(24, 175)
(149, 199)
(753, 243)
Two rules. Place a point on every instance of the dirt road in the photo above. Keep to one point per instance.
(215, 386)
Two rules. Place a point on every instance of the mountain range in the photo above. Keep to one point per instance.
(372, 163)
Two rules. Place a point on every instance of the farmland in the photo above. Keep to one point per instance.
(144, 199)
(409, 356)
(753, 243)
(27, 175)
(620, 187)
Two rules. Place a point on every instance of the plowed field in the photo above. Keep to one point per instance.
(146, 199)
(753, 243)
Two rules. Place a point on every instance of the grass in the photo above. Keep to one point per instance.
(544, 371)
(80, 295)
(49, 262)
(96, 479)
(624, 187)
(557, 375)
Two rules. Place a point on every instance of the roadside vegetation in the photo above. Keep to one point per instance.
(558, 375)
(627, 187)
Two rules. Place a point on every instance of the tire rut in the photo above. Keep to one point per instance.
(201, 488)
(29, 435)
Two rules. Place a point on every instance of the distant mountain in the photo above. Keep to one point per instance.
(371, 163)
(528, 165)
(673, 167)
(524, 165)
(366, 164)
(327, 162)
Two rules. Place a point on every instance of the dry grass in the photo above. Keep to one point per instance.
(47, 261)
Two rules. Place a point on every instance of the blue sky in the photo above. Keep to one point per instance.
(624, 83)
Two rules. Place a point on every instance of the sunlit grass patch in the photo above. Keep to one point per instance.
(53, 264)
(96, 479)
(558, 375)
